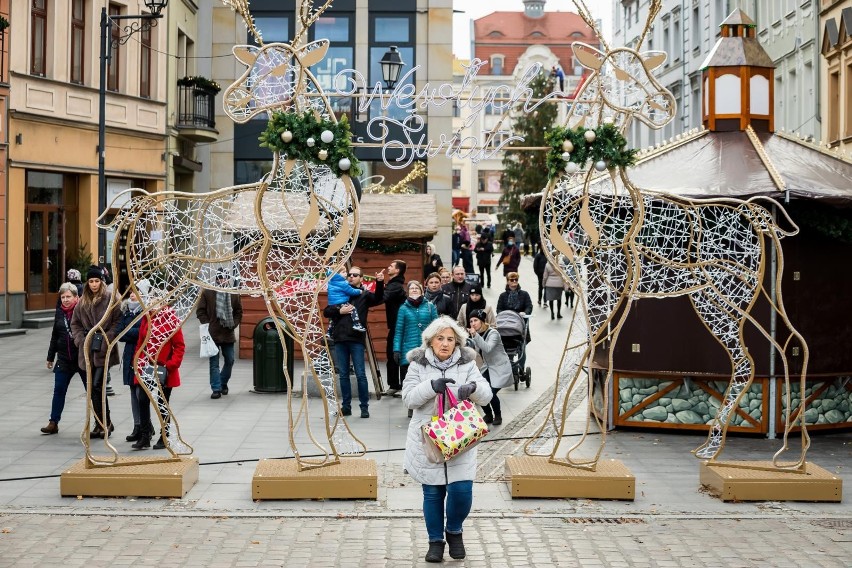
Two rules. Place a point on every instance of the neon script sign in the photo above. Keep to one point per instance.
(475, 99)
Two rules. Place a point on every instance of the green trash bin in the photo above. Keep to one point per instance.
(269, 357)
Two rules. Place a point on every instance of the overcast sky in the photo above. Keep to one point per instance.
(475, 9)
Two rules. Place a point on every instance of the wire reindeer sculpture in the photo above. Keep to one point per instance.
(275, 238)
(633, 243)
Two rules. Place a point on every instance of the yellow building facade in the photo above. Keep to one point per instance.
(836, 76)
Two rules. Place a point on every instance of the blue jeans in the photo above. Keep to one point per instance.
(344, 352)
(61, 380)
(459, 497)
(219, 379)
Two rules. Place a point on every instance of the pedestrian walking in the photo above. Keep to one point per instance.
(223, 311)
(496, 367)
(415, 315)
(539, 262)
(350, 342)
(466, 250)
(433, 262)
(436, 295)
(455, 244)
(162, 347)
(458, 290)
(442, 362)
(394, 296)
(62, 355)
(130, 309)
(553, 288)
(519, 237)
(484, 250)
(90, 310)
(475, 301)
(510, 257)
(517, 300)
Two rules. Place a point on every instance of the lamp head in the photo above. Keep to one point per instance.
(156, 6)
(392, 65)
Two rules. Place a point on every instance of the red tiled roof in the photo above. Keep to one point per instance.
(514, 27)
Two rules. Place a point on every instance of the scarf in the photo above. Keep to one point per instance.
(443, 365)
(471, 305)
(68, 311)
(415, 302)
(224, 310)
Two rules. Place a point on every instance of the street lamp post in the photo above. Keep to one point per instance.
(138, 23)
(392, 65)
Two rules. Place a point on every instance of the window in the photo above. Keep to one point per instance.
(386, 31)
(833, 106)
(848, 99)
(340, 31)
(456, 109)
(696, 27)
(145, 63)
(489, 181)
(497, 64)
(275, 28)
(456, 178)
(114, 65)
(78, 32)
(677, 45)
(666, 37)
(38, 16)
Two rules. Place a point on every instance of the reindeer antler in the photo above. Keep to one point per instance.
(653, 9)
(307, 19)
(241, 7)
(584, 13)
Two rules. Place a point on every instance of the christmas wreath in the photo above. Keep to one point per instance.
(571, 149)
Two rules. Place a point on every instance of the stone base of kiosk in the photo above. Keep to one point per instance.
(739, 481)
(130, 477)
(352, 478)
(537, 477)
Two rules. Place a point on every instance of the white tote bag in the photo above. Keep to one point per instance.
(208, 346)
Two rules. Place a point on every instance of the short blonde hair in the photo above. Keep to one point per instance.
(512, 275)
(444, 322)
(414, 283)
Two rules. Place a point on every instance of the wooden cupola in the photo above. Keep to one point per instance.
(737, 79)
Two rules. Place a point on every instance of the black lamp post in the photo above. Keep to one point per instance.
(140, 22)
(392, 65)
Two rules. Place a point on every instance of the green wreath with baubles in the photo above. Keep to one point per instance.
(571, 149)
(315, 140)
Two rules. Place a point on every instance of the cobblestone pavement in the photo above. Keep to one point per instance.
(93, 541)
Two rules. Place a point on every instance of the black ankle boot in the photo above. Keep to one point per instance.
(498, 420)
(137, 431)
(143, 442)
(436, 551)
(456, 545)
(488, 417)
(97, 432)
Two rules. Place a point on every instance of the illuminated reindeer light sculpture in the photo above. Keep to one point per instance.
(274, 238)
(633, 243)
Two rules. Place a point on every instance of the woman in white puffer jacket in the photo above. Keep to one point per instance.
(441, 363)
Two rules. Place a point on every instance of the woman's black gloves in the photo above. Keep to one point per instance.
(466, 390)
(440, 385)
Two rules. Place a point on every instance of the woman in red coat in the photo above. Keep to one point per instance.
(164, 346)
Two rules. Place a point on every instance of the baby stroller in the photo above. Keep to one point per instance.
(512, 328)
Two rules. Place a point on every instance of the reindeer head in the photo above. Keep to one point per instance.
(626, 84)
(276, 76)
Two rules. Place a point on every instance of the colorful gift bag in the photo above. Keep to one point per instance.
(456, 430)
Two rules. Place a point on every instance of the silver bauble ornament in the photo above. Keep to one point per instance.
(590, 136)
(323, 154)
(607, 120)
(310, 142)
(600, 165)
(344, 164)
(286, 136)
(568, 146)
(572, 168)
(566, 156)
(327, 136)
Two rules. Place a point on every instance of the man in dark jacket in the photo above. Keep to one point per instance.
(394, 297)
(349, 343)
(539, 262)
(484, 249)
(223, 311)
(458, 290)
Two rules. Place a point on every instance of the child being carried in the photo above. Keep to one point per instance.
(339, 292)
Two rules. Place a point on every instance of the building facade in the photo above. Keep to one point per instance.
(509, 43)
(688, 29)
(836, 75)
(360, 32)
(5, 41)
(54, 201)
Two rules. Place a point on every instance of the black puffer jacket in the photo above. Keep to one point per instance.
(62, 346)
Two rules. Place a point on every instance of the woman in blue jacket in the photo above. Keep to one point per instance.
(415, 315)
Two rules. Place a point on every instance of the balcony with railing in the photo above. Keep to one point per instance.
(196, 109)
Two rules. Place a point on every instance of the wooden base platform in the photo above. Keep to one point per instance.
(352, 478)
(130, 478)
(730, 481)
(537, 477)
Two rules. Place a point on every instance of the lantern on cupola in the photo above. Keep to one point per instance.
(737, 77)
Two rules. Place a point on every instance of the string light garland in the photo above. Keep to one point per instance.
(384, 248)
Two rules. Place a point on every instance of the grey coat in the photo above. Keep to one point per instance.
(552, 278)
(495, 358)
(418, 395)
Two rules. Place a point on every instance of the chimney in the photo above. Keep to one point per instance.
(738, 80)
(534, 8)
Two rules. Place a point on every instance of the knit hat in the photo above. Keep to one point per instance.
(73, 275)
(478, 314)
(476, 289)
(95, 272)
